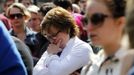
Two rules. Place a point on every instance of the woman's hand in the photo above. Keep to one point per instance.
(54, 48)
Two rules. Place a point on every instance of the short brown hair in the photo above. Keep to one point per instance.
(60, 19)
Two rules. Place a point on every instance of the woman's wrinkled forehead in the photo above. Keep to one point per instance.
(50, 29)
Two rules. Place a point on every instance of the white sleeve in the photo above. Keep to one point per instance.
(53, 65)
(41, 68)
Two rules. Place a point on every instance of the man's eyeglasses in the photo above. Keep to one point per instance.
(50, 37)
(97, 19)
(16, 16)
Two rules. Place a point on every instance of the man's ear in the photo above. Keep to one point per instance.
(69, 9)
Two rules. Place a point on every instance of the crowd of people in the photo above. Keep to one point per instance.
(67, 37)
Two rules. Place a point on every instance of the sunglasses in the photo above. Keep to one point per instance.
(16, 16)
(97, 19)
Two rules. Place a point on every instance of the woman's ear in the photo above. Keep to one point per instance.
(121, 22)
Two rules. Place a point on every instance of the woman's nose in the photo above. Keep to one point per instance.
(89, 27)
(15, 17)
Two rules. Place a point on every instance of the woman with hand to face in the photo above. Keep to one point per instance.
(66, 52)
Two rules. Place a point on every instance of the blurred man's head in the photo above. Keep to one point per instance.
(82, 4)
(26, 3)
(35, 20)
(66, 4)
(7, 3)
(45, 8)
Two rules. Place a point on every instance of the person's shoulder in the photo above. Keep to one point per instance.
(127, 61)
(78, 41)
(30, 32)
(129, 55)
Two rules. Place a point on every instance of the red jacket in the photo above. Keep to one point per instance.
(6, 21)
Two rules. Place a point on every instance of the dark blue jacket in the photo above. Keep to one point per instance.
(30, 40)
(131, 71)
(10, 59)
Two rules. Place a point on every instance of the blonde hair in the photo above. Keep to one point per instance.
(33, 9)
(22, 8)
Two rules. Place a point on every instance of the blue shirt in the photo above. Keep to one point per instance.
(131, 71)
(30, 40)
(10, 59)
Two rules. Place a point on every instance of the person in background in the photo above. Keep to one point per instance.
(43, 41)
(106, 23)
(66, 52)
(35, 20)
(76, 8)
(10, 59)
(67, 4)
(22, 48)
(75, 1)
(5, 4)
(25, 54)
(26, 3)
(82, 4)
(44, 8)
(37, 15)
(19, 15)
